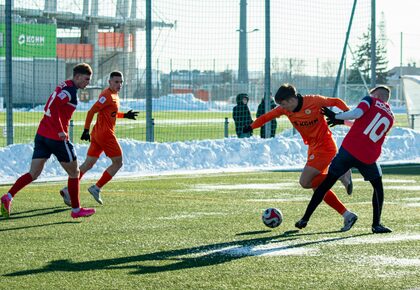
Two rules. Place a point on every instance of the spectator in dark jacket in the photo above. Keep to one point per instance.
(242, 115)
(261, 111)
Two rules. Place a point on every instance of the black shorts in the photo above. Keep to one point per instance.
(44, 147)
(344, 161)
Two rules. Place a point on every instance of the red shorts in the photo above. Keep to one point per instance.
(321, 155)
(108, 144)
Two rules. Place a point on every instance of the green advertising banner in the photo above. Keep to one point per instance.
(30, 40)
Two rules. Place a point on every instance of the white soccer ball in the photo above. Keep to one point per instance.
(272, 217)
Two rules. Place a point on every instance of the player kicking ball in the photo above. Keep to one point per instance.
(361, 149)
(102, 138)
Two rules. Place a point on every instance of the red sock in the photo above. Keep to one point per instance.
(104, 179)
(330, 198)
(22, 181)
(81, 175)
(73, 186)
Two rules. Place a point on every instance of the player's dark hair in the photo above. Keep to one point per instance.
(83, 69)
(115, 73)
(285, 92)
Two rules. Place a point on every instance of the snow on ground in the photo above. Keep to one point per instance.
(223, 155)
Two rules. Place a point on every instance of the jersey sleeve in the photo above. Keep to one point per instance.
(335, 102)
(365, 104)
(261, 120)
(100, 104)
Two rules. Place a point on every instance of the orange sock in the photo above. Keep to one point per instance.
(104, 179)
(330, 198)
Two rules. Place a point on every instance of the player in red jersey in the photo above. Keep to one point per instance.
(52, 138)
(103, 137)
(361, 149)
(304, 112)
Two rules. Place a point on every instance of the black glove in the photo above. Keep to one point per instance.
(331, 120)
(131, 115)
(85, 135)
(247, 129)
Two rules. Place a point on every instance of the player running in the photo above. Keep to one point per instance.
(103, 137)
(361, 149)
(304, 112)
(52, 138)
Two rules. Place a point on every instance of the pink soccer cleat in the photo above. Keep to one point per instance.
(6, 206)
(83, 212)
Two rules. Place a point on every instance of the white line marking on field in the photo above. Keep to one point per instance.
(386, 180)
(404, 187)
(393, 261)
(413, 204)
(281, 199)
(190, 216)
(273, 186)
(377, 239)
(276, 249)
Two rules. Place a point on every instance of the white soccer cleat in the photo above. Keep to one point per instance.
(349, 222)
(66, 196)
(96, 193)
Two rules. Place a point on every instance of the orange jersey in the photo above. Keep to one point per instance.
(107, 108)
(308, 121)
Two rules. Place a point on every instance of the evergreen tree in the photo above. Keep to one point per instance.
(362, 59)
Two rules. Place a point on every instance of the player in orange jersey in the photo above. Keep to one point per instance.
(103, 137)
(304, 112)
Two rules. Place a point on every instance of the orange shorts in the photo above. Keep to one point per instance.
(108, 144)
(320, 156)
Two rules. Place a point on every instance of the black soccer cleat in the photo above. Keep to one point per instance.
(300, 224)
(380, 229)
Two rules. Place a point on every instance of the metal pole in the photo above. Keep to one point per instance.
(243, 45)
(267, 78)
(337, 79)
(373, 44)
(149, 99)
(9, 76)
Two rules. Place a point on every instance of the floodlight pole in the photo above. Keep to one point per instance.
(9, 78)
(373, 44)
(343, 55)
(149, 99)
(267, 77)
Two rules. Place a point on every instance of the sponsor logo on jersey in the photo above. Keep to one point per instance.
(308, 111)
(383, 107)
(102, 99)
(305, 123)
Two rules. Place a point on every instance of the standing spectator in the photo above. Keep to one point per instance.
(52, 138)
(361, 149)
(103, 137)
(304, 112)
(261, 111)
(242, 115)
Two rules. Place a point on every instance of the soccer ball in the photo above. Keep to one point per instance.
(272, 217)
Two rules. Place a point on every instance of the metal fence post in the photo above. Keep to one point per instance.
(226, 127)
(71, 131)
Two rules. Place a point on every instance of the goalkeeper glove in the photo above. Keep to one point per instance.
(131, 115)
(85, 135)
(247, 129)
(331, 120)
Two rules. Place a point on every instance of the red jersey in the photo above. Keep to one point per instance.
(107, 107)
(58, 111)
(366, 136)
(307, 118)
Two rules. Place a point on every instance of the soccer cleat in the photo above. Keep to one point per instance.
(83, 212)
(380, 229)
(6, 206)
(96, 193)
(349, 222)
(347, 181)
(66, 196)
(300, 224)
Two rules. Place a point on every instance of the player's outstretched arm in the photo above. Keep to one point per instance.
(131, 115)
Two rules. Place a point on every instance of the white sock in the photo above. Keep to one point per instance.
(10, 196)
(75, 210)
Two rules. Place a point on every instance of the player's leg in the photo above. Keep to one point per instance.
(347, 181)
(113, 150)
(94, 151)
(66, 155)
(87, 165)
(373, 174)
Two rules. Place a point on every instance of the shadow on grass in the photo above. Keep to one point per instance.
(36, 226)
(175, 260)
(36, 212)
